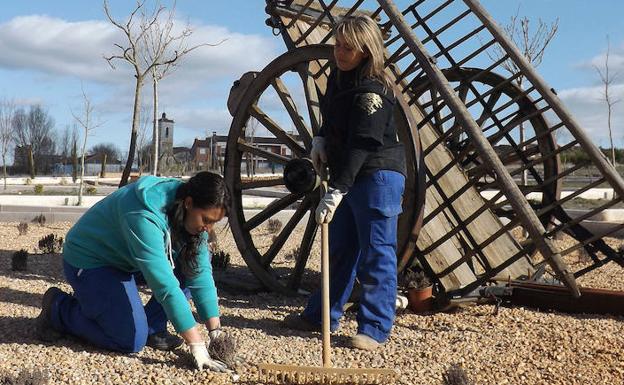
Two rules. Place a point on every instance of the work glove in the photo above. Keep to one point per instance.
(328, 205)
(216, 333)
(318, 153)
(202, 358)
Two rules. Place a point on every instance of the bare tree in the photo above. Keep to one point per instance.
(86, 121)
(166, 49)
(145, 57)
(608, 78)
(532, 45)
(34, 133)
(7, 110)
(142, 139)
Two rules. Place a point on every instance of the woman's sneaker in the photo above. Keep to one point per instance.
(364, 342)
(296, 321)
(164, 341)
(43, 323)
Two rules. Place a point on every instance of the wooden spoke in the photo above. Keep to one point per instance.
(304, 131)
(280, 240)
(304, 252)
(269, 182)
(312, 97)
(268, 155)
(488, 107)
(276, 130)
(269, 211)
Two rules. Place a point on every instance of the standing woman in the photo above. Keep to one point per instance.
(152, 231)
(358, 141)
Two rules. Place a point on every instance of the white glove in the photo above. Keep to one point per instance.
(216, 333)
(328, 205)
(318, 153)
(202, 358)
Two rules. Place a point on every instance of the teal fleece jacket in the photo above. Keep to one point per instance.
(129, 230)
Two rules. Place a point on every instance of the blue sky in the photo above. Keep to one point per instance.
(50, 48)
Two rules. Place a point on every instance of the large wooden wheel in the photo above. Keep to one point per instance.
(514, 125)
(278, 108)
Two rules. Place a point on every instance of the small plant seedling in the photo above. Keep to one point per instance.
(455, 375)
(292, 254)
(19, 261)
(416, 279)
(22, 228)
(51, 244)
(220, 260)
(223, 348)
(274, 226)
(26, 377)
(40, 220)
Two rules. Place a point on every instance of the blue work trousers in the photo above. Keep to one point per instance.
(362, 244)
(106, 309)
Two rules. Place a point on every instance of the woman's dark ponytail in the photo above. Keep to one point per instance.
(207, 189)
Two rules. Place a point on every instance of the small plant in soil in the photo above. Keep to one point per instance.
(22, 228)
(90, 190)
(455, 375)
(51, 244)
(416, 279)
(220, 260)
(38, 189)
(292, 254)
(274, 226)
(223, 349)
(40, 220)
(19, 261)
(26, 377)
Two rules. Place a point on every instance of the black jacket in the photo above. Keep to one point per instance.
(359, 128)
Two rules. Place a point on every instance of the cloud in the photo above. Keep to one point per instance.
(589, 108)
(58, 47)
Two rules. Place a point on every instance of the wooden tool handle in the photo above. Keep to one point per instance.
(325, 280)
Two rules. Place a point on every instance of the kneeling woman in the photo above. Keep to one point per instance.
(152, 231)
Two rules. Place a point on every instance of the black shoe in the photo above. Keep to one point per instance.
(164, 341)
(43, 323)
(298, 322)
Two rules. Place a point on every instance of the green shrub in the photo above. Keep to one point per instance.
(38, 189)
(90, 190)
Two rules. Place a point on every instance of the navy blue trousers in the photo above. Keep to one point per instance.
(106, 309)
(362, 245)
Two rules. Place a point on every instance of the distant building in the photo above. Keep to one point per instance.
(209, 153)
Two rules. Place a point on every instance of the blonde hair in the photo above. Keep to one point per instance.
(363, 34)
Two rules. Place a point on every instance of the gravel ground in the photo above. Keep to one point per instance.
(517, 346)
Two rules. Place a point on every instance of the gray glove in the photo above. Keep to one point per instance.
(202, 358)
(328, 205)
(318, 153)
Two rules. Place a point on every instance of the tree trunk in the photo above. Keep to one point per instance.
(133, 134)
(74, 163)
(31, 163)
(103, 169)
(155, 133)
(4, 172)
(82, 170)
